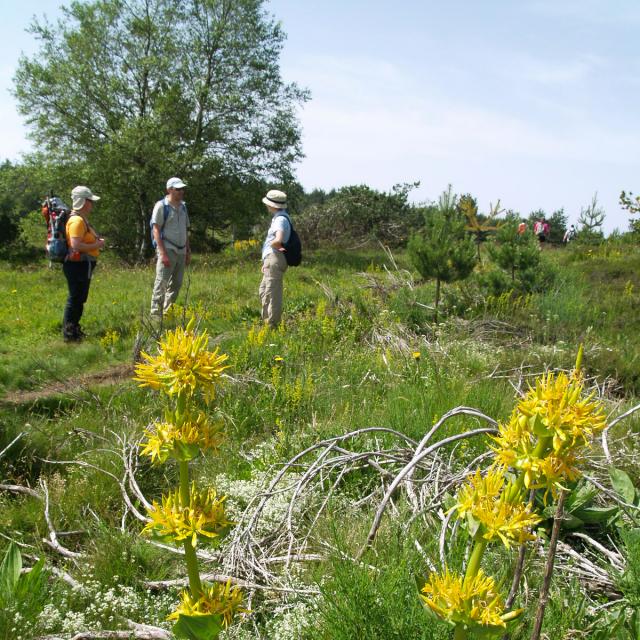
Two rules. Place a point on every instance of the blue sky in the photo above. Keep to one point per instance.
(532, 102)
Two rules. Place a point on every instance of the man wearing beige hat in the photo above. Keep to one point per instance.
(170, 225)
(274, 263)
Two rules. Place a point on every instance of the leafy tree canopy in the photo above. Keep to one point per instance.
(134, 92)
(359, 214)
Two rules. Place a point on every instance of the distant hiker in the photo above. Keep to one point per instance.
(569, 235)
(274, 263)
(522, 227)
(541, 229)
(170, 231)
(84, 246)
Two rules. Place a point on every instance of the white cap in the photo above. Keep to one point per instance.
(175, 183)
(80, 195)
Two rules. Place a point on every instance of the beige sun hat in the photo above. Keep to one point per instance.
(276, 199)
(80, 195)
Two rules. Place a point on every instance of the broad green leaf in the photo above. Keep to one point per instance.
(582, 495)
(592, 515)
(185, 452)
(570, 521)
(30, 581)
(623, 485)
(10, 570)
(198, 627)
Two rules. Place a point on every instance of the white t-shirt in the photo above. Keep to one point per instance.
(279, 222)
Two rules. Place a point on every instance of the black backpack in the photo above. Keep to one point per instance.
(56, 213)
(293, 247)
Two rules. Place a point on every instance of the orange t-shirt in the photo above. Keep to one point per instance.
(78, 228)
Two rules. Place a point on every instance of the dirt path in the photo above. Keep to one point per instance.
(109, 376)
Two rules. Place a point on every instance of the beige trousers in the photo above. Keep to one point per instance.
(168, 282)
(273, 268)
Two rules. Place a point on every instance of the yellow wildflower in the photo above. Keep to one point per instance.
(484, 501)
(556, 408)
(217, 599)
(203, 516)
(472, 602)
(547, 429)
(182, 441)
(183, 364)
(416, 355)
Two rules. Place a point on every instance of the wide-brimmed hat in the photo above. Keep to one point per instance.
(80, 195)
(276, 199)
(175, 183)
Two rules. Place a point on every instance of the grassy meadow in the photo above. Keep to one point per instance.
(358, 349)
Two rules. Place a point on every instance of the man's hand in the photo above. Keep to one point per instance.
(165, 260)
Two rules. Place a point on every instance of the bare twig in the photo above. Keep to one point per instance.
(605, 431)
(406, 470)
(17, 488)
(551, 556)
(22, 433)
(53, 539)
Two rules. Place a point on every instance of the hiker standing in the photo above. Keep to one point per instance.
(170, 226)
(569, 235)
(274, 263)
(84, 246)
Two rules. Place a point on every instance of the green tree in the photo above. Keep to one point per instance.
(478, 225)
(558, 225)
(632, 204)
(22, 189)
(591, 219)
(134, 92)
(359, 214)
(518, 254)
(443, 249)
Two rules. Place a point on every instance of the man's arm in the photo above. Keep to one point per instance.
(162, 252)
(278, 243)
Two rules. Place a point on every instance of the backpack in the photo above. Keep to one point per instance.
(56, 213)
(292, 247)
(165, 212)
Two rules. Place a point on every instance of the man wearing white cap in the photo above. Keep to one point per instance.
(274, 263)
(84, 246)
(170, 225)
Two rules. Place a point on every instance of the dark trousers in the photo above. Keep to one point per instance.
(78, 275)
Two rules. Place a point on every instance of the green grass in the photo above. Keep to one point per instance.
(347, 362)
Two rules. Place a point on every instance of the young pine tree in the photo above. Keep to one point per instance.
(515, 253)
(443, 250)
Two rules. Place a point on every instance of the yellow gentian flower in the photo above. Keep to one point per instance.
(204, 516)
(183, 364)
(217, 599)
(472, 602)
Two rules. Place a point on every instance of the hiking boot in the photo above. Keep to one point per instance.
(71, 333)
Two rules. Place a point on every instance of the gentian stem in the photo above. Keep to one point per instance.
(189, 552)
(476, 557)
